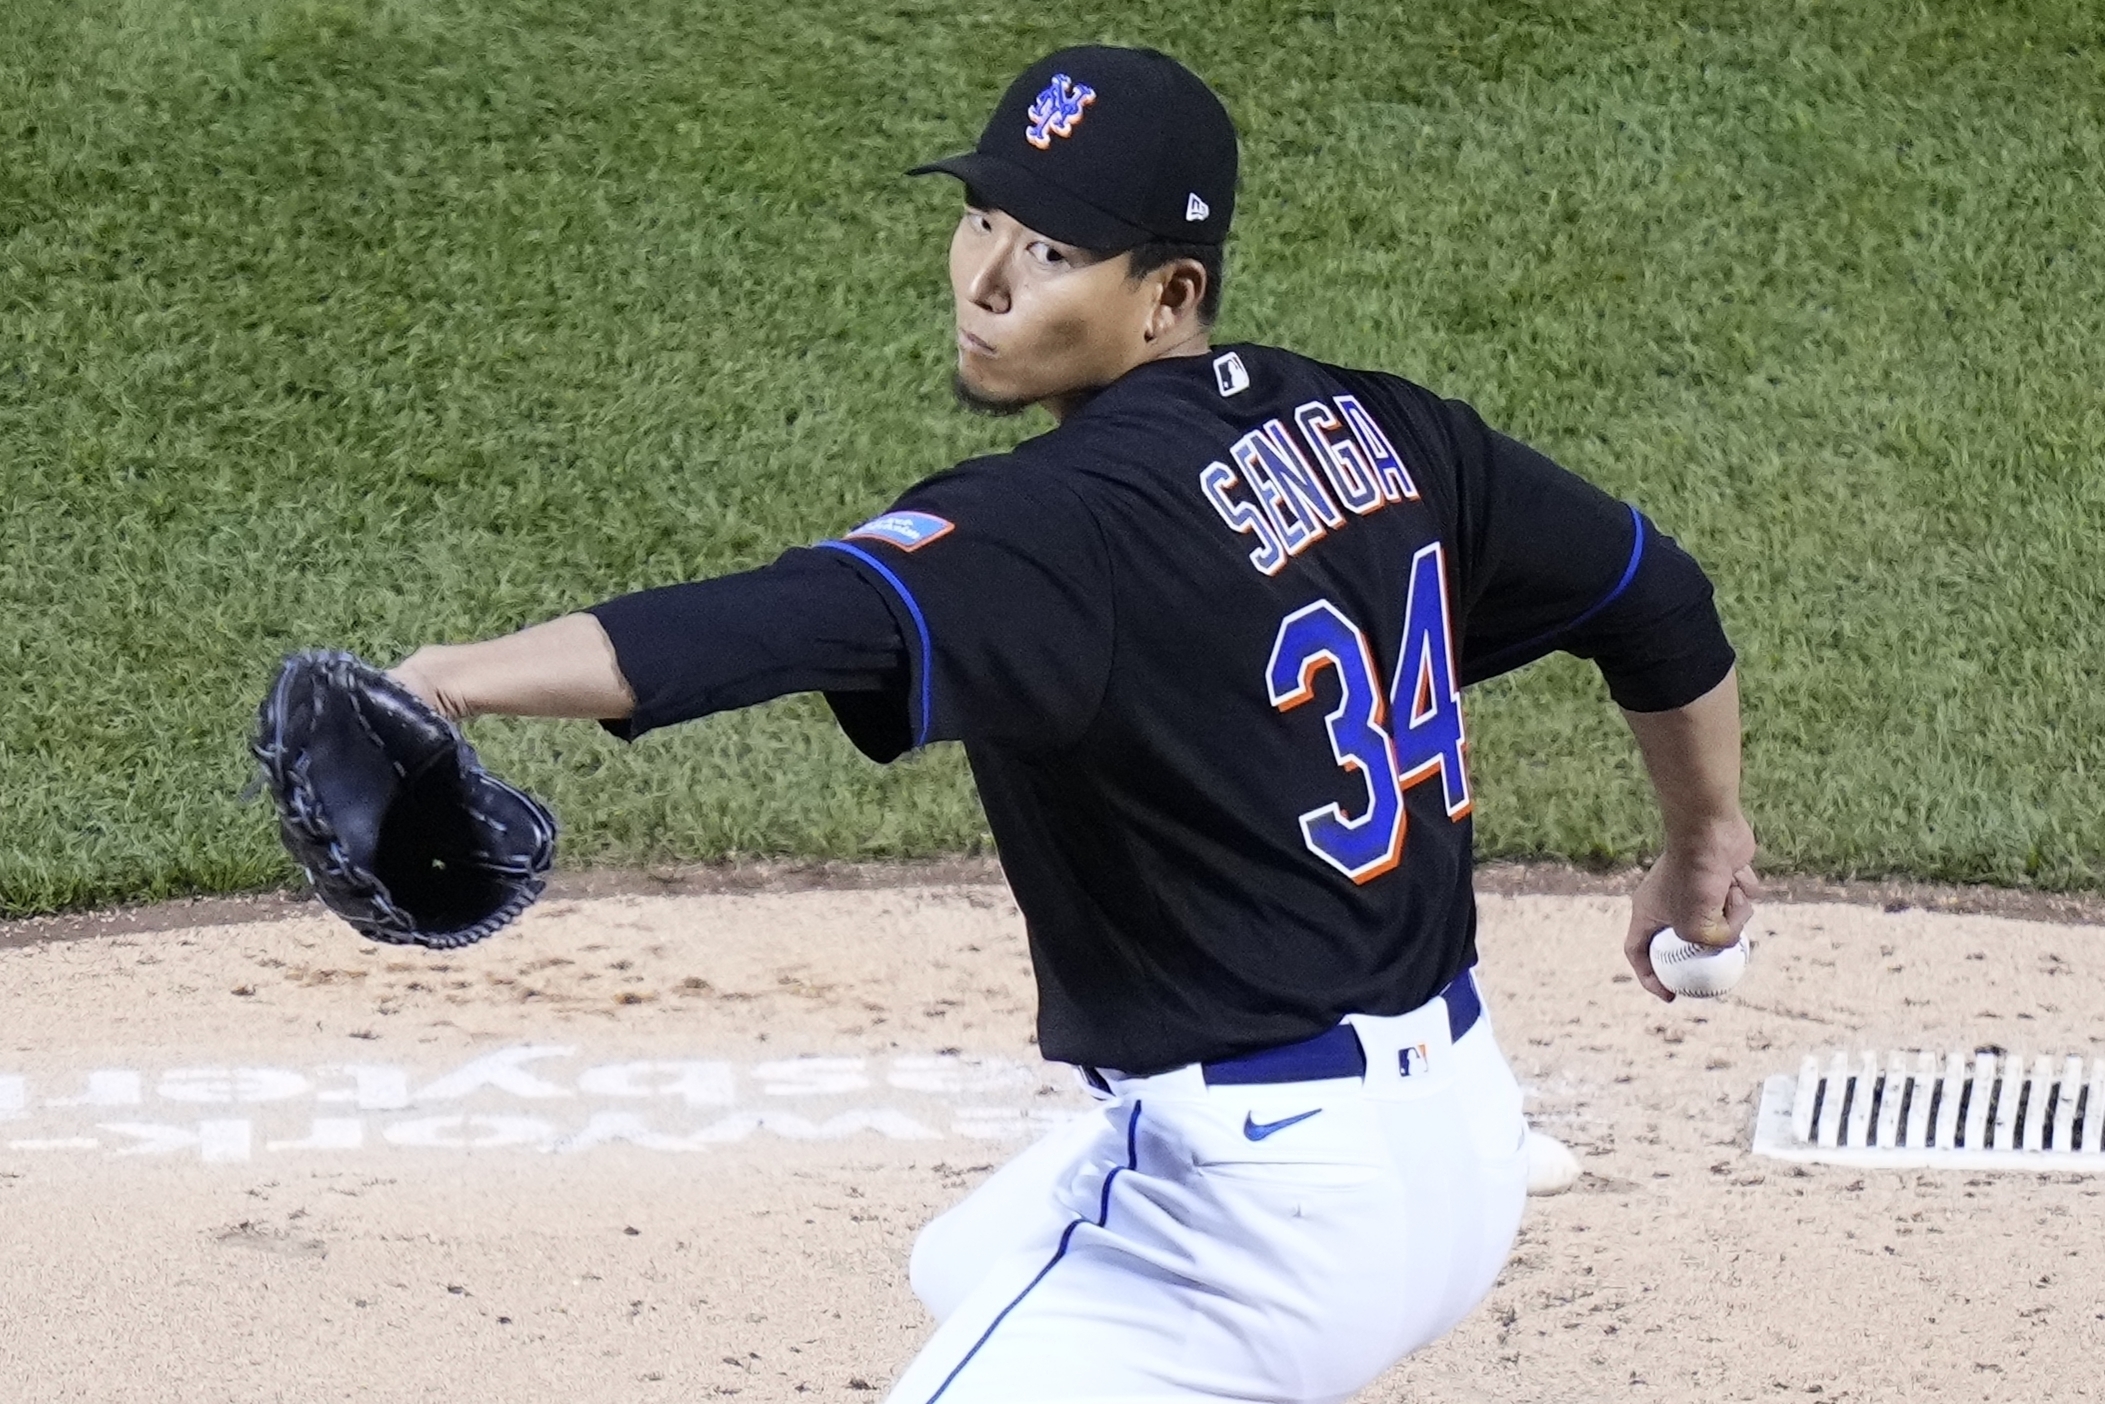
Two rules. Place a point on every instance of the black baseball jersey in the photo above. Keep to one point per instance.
(1205, 644)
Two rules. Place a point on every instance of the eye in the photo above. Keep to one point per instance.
(1046, 254)
(977, 220)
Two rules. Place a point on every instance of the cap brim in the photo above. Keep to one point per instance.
(1038, 204)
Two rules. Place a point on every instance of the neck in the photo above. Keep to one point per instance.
(1195, 342)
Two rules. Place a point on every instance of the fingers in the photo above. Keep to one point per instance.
(1739, 908)
(1637, 949)
(1697, 899)
(1715, 929)
(1724, 927)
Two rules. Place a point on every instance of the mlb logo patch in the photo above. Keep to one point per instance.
(1230, 374)
(909, 531)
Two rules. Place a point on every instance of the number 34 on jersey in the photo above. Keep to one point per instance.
(1392, 739)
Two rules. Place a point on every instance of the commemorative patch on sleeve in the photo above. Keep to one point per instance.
(909, 531)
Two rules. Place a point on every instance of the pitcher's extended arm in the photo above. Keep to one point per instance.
(1702, 884)
(806, 623)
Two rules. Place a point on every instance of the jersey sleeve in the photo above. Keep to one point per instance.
(807, 623)
(1550, 563)
(1000, 584)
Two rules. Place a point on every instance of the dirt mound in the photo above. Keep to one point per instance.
(677, 1145)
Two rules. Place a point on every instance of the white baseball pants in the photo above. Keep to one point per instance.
(1282, 1242)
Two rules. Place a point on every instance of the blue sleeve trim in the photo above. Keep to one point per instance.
(913, 609)
(1637, 555)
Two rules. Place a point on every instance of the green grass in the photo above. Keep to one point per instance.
(378, 322)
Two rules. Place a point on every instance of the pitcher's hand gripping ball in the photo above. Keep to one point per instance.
(1699, 971)
(384, 805)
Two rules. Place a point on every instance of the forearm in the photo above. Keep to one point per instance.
(563, 668)
(1692, 754)
(1703, 884)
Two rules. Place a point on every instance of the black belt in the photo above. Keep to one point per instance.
(1336, 1052)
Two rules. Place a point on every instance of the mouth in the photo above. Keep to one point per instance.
(971, 345)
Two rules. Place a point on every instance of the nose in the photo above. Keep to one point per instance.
(986, 284)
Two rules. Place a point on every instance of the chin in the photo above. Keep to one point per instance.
(983, 399)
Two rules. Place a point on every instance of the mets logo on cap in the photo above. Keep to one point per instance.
(1057, 111)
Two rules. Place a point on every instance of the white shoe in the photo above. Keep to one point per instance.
(1552, 1168)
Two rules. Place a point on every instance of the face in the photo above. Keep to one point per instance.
(1042, 322)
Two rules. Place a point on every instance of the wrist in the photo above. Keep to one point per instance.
(1724, 837)
(428, 673)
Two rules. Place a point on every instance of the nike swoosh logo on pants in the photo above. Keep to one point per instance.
(1257, 1130)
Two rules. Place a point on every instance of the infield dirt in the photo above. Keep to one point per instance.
(673, 1147)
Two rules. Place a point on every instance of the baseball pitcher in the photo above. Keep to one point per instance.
(1205, 643)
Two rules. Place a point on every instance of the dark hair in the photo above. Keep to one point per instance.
(1156, 252)
(1152, 255)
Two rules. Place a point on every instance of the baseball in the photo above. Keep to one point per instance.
(1701, 971)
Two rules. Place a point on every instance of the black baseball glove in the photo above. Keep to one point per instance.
(385, 806)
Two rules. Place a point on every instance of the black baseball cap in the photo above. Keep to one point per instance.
(1106, 149)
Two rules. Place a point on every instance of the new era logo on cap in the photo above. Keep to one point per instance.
(1195, 209)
